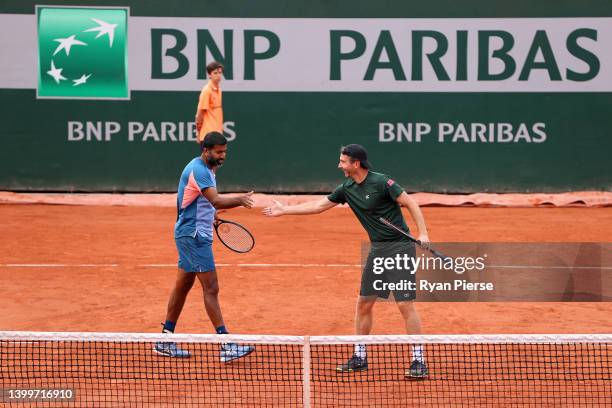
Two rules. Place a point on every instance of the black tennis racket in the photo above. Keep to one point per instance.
(426, 247)
(234, 236)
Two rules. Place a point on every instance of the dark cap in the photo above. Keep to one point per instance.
(357, 152)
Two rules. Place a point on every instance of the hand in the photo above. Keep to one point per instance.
(424, 238)
(275, 210)
(246, 200)
(199, 125)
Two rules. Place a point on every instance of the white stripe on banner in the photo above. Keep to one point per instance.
(306, 59)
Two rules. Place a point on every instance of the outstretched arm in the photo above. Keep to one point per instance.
(415, 212)
(219, 201)
(310, 207)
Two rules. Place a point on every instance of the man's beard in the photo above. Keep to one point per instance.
(212, 162)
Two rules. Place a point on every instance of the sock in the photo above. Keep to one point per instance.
(221, 330)
(418, 353)
(360, 351)
(169, 327)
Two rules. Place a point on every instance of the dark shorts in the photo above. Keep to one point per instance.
(377, 280)
(195, 254)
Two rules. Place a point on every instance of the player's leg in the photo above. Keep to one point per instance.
(364, 315)
(372, 287)
(184, 283)
(210, 287)
(205, 270)
(404, 300)
(186, 247)
(412, 320)
(418, 367)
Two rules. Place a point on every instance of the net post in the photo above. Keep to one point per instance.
(306, 372)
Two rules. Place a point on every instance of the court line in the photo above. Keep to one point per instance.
(246, 265)
(265, 265)
(273, 265)
(59, 265)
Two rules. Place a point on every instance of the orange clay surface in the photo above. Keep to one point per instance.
(131, 296)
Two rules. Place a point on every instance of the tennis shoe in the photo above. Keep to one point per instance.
(233, 351)
(354, 363)
(418, 370)
(170, 349)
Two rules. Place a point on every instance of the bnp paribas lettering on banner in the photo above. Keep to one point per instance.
(82, 52)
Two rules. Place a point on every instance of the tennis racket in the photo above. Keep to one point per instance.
(234, 236)
(413, 239)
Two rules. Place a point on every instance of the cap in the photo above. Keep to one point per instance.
(357, 152)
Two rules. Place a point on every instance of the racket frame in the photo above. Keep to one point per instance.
(219, 221)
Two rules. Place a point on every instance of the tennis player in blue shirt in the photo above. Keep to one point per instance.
(197, 202)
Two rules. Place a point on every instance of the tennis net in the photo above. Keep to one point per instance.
(121, 369)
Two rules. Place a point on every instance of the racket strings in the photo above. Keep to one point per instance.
(235, 237)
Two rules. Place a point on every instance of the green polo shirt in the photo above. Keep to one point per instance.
(374, 197)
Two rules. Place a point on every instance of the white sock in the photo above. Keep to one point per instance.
(360, 351)
(418, 353)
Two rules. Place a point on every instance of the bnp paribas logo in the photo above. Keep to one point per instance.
(82, 52)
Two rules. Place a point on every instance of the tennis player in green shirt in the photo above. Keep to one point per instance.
(372, 195)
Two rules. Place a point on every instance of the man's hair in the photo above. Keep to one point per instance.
(343, 152)
(214, 139)
(212, 66)
(350, 153)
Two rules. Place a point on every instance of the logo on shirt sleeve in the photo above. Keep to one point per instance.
(390, 182)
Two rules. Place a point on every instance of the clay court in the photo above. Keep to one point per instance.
(111, 268)
(73, 268)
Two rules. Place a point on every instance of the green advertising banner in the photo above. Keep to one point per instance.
(102, 98)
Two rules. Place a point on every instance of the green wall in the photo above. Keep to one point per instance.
(289, 141)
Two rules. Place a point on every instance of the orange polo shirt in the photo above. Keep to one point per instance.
(210, 103)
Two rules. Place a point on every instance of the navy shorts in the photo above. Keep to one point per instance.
(195, 254)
